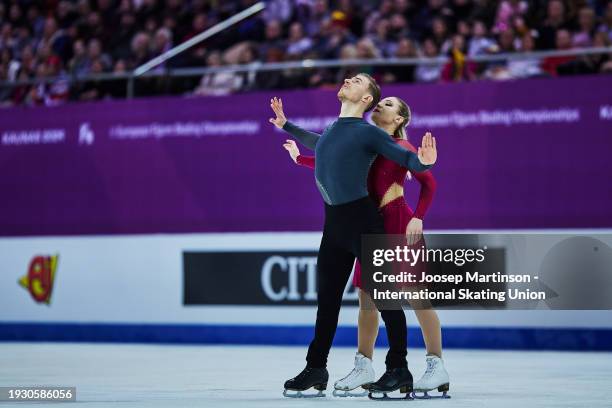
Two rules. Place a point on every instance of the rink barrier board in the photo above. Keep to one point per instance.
(508, 338)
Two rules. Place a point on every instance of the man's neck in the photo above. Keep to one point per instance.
(349, 110)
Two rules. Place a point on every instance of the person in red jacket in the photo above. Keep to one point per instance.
(385, 185)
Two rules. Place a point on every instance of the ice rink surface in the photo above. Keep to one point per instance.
(118, 375)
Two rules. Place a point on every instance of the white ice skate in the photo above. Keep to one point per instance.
(435, 377)
(361, 376)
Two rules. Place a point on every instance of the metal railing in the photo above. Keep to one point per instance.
(217, 28)
(130, 77)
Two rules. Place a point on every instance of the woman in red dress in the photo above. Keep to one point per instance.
(385, 185)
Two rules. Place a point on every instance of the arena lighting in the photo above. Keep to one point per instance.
(256, 8)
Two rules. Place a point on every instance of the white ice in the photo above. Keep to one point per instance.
(118, 375)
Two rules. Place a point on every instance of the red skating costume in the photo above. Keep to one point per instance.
(397, 213)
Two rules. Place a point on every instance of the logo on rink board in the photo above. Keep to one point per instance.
(40, 277)
(86, 134)
(253, 278)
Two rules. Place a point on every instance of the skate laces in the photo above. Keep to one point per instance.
(430, 368)
(359, 368)
(354, 373)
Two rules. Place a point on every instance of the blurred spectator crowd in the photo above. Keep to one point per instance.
(71, 39)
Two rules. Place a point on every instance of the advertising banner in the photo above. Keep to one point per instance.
(511, 155)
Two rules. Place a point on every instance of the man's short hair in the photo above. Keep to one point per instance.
(373, 89)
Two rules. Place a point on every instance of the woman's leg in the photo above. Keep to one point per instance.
(429, 322)
(367, 329)
(430, 327)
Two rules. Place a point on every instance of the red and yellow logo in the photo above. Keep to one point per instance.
(40, 277)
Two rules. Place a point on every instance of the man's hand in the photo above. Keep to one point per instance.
(292, 148)
(427, 152)
(277, 106)
(414, 231)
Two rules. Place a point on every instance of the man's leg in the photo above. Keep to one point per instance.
(334, 266)
(397, 335)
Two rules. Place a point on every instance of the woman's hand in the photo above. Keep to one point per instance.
(414, 231)
(292, 148)
(428, 153)
(277, 106)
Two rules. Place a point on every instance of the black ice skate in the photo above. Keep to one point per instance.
(392, 380)
(309, 378)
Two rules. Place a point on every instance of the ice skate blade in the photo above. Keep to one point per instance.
(385, 397)
(347, 393)
(299, 394)
(424, 394)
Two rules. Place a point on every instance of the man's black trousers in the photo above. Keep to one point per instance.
(340, 245)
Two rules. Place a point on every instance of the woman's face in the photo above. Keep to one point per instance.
(555, 9)
(97, 67)
(463, 28)
(295, 32)
(479, 30)
(458, 42)
(439, 27)
(214, 60)
(586, 19)
(506, 39)
(79, 48)
(405, 48)
(120, 66)
(385, 112)
(382, 28)
(528, 44)
(430, 49)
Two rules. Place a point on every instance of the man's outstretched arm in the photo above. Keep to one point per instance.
(308, 139)
(305, 137)
(425, 157)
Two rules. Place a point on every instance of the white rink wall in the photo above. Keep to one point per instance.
(138, 280)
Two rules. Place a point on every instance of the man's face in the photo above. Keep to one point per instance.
(273, 30)
(353, 89)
